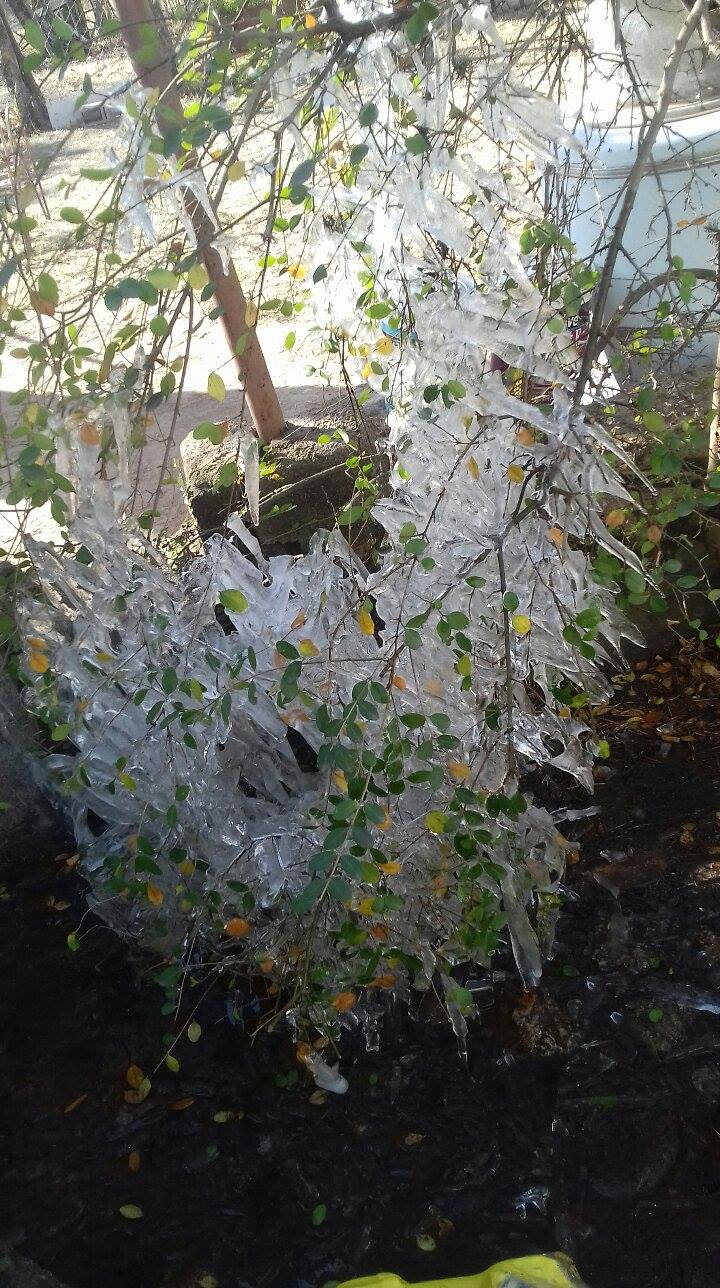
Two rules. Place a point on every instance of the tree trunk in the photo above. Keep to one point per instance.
(155, 68)
(21, 84)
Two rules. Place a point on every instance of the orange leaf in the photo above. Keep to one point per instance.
(391, 868)
(154, 894)
(236, 927)
(399, 683)
(525, 436)
(134, 1075)
(89, 434)
(343, 1002)
(134, 1161)
(458, 770)
(556, 535)
(382, 981)
(184, 1103)
(615, 518)
(310, 21)
(38, 662)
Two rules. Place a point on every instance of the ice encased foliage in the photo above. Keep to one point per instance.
(336, 765)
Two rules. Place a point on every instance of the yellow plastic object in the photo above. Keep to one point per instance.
(520, 1272)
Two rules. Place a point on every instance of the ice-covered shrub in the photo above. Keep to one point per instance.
(302, 768)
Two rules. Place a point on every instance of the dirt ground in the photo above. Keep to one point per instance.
(587, 1117)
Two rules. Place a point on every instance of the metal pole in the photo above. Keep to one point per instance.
(152, 60)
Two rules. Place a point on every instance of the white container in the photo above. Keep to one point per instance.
(676, 208)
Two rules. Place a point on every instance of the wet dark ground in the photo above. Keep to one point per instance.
(587, 1119)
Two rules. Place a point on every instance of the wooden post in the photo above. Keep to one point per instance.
(154, 65)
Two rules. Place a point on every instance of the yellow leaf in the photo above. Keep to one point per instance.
(515, 473)
(615, 518)
(365, 622)
(235, 171)
(134, 1161)
(365, 906)
(197, 277)
(385, 347)
(187, 868)
(297, 271)
(391, 868)
(134, 1075)
(473, 468)
(236, 927)
(308, 648)
(154, 894)
(38, 662)
(36, 644)
(384, 824)
(339, 780)
(366, 371)
(102, 656)
(343, 1002)
(251, 313)
(194, 1032)
(216, 387)
(521, 624)
(435, 821)
(131, 1211)
(458, 770)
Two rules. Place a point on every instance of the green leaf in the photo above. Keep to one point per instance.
(319, 1214)
(35, 36)
(234, 600)
(416, 144)
(163, 279)
(655, 1015)
(169, 680)
(47, 288)
(60, 732)
(72, 215)
(510, 601)
(435, 821)
(369, 114)
(73, 942)
(172, 1063)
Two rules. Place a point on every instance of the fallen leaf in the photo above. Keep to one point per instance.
(184, 1103)
(413, 1138)
(136, 1095)
(131, 1211)
(134, 1075)
(398, 682)
(134, 1161)
(74, 1103)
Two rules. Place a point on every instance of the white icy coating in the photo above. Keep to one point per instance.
(158, 695)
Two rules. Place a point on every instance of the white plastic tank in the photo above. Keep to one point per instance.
(677, 207)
